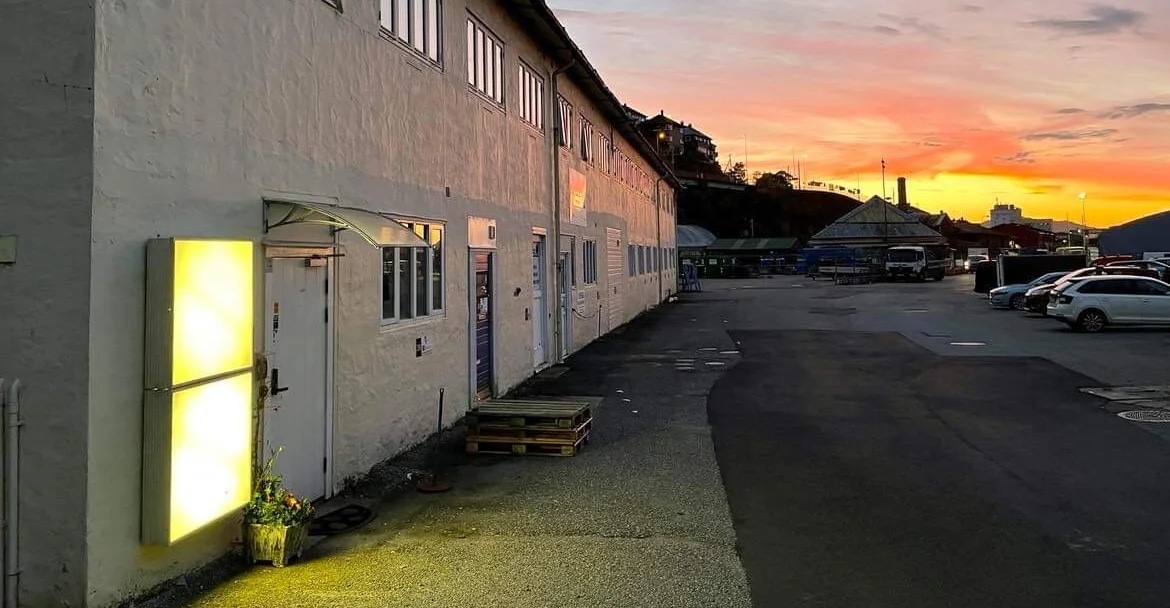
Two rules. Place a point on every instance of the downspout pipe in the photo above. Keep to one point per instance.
(12, 423)
(658, 232)
(558, 136)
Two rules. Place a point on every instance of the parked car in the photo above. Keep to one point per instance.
(1158, 270)
(1036, 298)
(1012, 296)
(973, 261)
(1109, 259)
(1095, 302)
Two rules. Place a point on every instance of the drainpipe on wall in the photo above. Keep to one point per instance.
(658, 232)
(558, 134)
(12, 423)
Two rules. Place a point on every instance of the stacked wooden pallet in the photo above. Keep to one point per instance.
(545, 428)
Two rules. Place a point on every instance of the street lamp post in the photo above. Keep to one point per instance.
(1084, 229)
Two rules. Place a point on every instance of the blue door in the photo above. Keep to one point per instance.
(483, 325)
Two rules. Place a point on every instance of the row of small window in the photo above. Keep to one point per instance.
(598, 150)
(642, 259)
(419, 25)
(412, 277)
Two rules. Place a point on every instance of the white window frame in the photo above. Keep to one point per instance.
(485, 62)
(589, 261)
(565, 126)
(631, 264)
(531, 96)
(417, 24)
(427, 257)
(586, 139)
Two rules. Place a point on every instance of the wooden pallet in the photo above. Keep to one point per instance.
(526, 447)
(488, 433)
(530, 414)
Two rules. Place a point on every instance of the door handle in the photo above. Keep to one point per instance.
(276, 390)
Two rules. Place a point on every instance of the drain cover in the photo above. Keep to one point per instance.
(1146, 415)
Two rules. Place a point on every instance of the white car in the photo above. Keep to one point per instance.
(1095, 302)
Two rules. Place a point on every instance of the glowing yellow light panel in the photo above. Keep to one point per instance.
(213, 308)
(197, 427)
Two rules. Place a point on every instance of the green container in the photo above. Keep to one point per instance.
(272, 543)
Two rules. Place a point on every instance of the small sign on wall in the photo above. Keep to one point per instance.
(422, 346)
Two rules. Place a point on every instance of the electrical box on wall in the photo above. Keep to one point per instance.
(422, 346)
(8, 249)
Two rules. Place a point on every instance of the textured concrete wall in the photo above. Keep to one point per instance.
(202, 108)
(46, 147)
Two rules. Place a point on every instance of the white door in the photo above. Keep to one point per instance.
(539, 309)
(564, 277)
(297, 338)
(615, 275)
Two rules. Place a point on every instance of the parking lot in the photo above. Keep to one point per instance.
(906, 445)
(949, 318)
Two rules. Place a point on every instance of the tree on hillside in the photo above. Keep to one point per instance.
(737, 173)
(780, 180)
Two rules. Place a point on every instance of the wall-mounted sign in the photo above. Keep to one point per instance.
(578, 188)
(197, 427)
(422, 346)
(481, 233)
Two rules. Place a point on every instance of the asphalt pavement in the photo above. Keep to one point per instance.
(887, 458)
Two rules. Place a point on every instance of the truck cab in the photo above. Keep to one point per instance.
(914, 262)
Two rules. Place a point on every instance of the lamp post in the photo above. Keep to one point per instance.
(1084, 228)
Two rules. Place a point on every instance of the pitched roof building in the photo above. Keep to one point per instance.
(877, 222)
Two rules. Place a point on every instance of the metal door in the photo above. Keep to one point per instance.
(483, 324)
(297, 334)
(540, 314)
(614, 276)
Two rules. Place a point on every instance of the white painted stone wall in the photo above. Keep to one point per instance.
(46, 180)
(201, 108)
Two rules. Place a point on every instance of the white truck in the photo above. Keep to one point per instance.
(915, 262)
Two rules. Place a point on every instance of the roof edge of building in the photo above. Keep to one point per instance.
(564, 49)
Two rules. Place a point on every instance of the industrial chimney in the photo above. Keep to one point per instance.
(903, 204)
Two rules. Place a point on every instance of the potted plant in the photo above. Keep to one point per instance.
(276, 522)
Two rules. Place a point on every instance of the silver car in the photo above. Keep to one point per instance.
(1013, 296)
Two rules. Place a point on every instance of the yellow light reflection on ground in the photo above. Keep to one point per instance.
(211, 452)
(213, 308)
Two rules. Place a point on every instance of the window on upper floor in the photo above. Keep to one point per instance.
(641, 259)
(630, 260)
(412, 277)
(416, 23)
(485, 61)
(531, 97)
(565, 126)
(586, 139)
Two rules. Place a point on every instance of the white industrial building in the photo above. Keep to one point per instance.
(426, 194)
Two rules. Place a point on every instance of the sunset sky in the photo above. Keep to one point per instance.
(971, 100)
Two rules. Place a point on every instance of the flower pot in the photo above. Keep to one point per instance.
(274, 543)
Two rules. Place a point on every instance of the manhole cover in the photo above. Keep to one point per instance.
(1146, 416)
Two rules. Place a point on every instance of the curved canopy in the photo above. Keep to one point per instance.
(692, 237)
(377, 229)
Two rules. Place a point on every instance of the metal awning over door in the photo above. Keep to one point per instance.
(375, 228)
